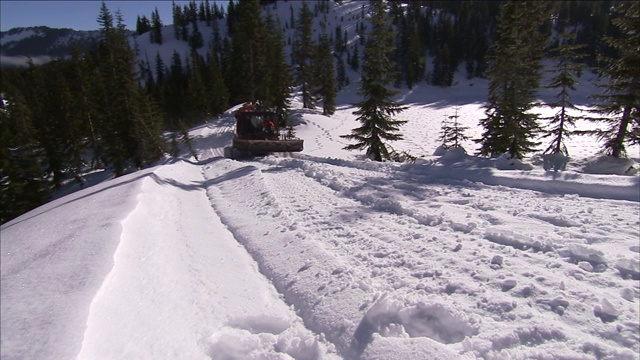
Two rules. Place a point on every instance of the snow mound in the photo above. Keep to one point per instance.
(452, 155)
(628, 268)
(390, 317)
(505, 162)
(238, 343)
(609, 165)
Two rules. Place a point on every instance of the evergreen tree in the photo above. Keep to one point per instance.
(280, 79)
(217, 90)
(325, 77)
(303, 47)
(198, 98)
(248, 64)
(514, 76)
(567, 65)
(156, 27)
(452, 132)
(178, 20)
(175, 91)
(129, 124)
(355, 58)
(619, 103)
(195, 39)
(22, 184)
(377, 108)
(142, 25)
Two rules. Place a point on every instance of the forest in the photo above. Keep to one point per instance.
(105, 109)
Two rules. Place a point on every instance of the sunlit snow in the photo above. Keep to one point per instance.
(326, 255)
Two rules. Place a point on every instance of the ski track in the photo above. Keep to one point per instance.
(429, 221)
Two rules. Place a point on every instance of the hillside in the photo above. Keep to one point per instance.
(323, 255)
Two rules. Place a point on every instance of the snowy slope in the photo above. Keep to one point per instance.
(323, 255)
(326, 255)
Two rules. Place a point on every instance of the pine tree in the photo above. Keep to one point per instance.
(198, 98)
(280, 79)
(376, 109)
(303, 47)
(129, 124)
(156, 27)
(175, 91)
(22, 183)
(218, 94)
(325, 75)
(567, 65)
(452, 132)
(195, 39)
(514, 76)
(619, 103)
(247, 65)
(142, 25)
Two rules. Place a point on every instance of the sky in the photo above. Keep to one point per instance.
(79, 15)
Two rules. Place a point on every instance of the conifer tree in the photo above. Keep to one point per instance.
(567, 65)
(195, 39)
(325, 75)
(218, 94)
(618, 106)
(156, 27)
(377, 108)
(142, 25)
(175, 91)
(248, 63)
(280, 79)
(22, 184)
(177, 20)
(129, 124)
(452, 132)
(198, 98)
(514, 77)
(303, 47)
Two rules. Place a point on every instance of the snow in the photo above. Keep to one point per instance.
(326, 255)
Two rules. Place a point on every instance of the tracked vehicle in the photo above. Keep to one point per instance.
(258, 134)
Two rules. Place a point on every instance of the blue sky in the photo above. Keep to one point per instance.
(80, 15)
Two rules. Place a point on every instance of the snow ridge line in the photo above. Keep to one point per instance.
(428, 173)
(253, 215)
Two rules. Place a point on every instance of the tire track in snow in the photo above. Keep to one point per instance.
(325, 181)
(320, 285)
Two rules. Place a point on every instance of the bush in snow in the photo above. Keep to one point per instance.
(555, 161)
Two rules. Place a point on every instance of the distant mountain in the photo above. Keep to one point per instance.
(41, 43)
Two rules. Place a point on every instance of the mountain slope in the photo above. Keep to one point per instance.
(376, 259)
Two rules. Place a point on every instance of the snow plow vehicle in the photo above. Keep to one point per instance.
(258, 134)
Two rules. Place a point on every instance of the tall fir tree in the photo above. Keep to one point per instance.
(303, 47)
(618, 106)
(280, 79)
(218, 93)
(325, 75)
(514, 77)
(375, 111)
(129, 125)
(248, 61)
(567, 65)
(156, 27)
(22, 182)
